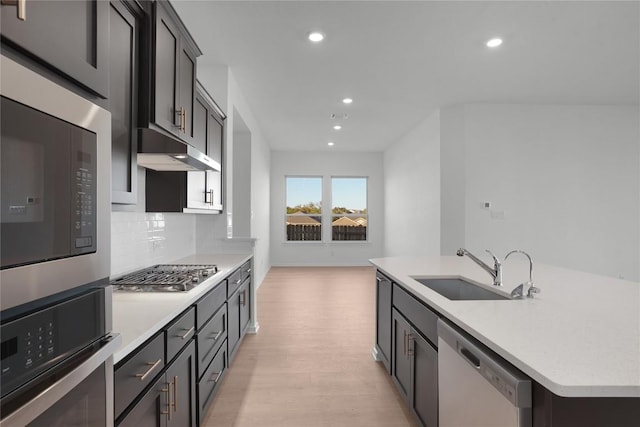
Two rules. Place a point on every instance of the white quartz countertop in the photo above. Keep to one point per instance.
(579, 337)
(137, 316)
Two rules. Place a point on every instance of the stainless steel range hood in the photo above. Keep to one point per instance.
(161, 152)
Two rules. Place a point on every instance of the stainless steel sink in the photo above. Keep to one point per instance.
(457, 289)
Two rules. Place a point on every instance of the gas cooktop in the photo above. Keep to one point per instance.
(165, 278)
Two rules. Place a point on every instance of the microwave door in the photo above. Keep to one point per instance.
(36, 185)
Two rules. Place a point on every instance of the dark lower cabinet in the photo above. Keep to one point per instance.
(401, 358)
(171, 400)
(383, 320)
(239, 307)
(180, 379)
(70, 37)
(151, 409)
(210, 382)
(415, 370)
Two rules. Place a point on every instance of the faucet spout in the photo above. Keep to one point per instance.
(495, 272)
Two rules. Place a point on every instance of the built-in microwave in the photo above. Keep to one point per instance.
(55, 154)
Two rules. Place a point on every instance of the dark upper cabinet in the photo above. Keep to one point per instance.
(174, 56)
(70, 37)
(125, 23)
(198, 191)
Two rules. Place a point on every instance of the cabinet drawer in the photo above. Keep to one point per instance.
(180, 332)
(137, 373)
(234, 282)
(210, 338)
(210, 304)
(209, 382)
(423, 318)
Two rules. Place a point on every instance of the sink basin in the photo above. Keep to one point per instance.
(457, 289)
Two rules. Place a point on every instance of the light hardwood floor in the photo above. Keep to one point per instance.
(310, 363)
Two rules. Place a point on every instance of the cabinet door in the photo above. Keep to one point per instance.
(245, 307)
(383, 319)
(401, 357)
(214, 150)
(233, 330)
(151, 409)
(181, 381)
(186, 90)
(424, 379)
(70, 36)
(167, 42)
(123, 75)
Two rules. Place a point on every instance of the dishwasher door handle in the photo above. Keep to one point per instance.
(469, 356)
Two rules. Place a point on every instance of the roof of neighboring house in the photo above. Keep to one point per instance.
(343, 220)
(361, 221)
(301, 219)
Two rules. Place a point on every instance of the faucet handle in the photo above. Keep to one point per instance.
(495, 258)
(532, 290)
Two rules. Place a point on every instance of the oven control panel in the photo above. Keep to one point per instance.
(34, 343)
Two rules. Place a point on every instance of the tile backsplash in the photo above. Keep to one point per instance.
(140, 239)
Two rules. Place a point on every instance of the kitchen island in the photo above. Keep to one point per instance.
(578, 339)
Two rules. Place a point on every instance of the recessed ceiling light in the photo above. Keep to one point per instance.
(316, 36)
(494, 42)
(347, 101)
(337, 127)
(330, 144)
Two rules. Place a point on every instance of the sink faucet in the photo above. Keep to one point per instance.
(495, 272)
(518, 292)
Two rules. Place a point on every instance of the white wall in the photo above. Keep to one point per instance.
(566, 179)
(326, 164)
(412, 192)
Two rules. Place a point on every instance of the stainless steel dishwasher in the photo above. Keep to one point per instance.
(477, 388)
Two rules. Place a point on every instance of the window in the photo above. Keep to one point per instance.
(349, 209)
(304, 208)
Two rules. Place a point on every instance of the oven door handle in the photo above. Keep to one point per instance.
(48, 397)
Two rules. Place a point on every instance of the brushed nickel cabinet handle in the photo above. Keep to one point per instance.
(168, 391)
(184, 120)
(410, 338)
(186, 334)
(175, 394)
(153, 365)
(379, 279)
(404, 343)
(218, 375)
(22, 7)
(217, 335)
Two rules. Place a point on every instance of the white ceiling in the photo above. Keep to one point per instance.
(401, 60)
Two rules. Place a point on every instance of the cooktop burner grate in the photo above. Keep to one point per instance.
(165, 278)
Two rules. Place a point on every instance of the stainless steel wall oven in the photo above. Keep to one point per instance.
(56, 345)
